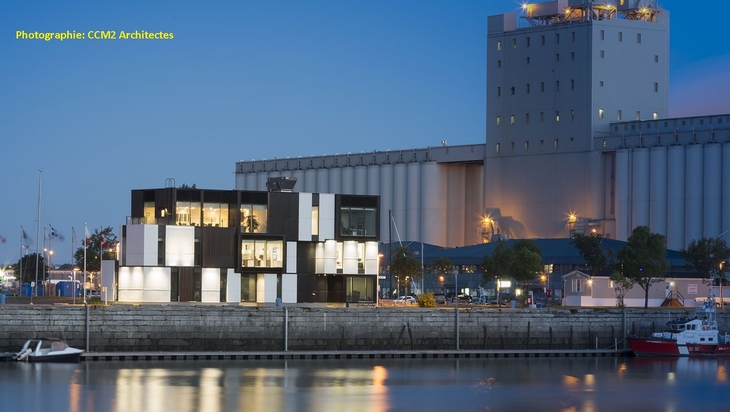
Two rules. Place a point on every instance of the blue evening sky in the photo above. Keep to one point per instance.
(252, 80)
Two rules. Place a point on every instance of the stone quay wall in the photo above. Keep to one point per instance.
(185, 328)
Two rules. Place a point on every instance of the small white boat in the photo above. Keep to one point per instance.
(48, 350)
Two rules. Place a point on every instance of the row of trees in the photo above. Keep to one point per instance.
(641, 262)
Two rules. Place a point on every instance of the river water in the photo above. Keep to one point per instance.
(514, 384)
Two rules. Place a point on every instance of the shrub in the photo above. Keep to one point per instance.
(426, 300)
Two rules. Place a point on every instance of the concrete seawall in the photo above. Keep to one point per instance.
(236, 328)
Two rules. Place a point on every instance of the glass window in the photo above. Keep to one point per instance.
(527, 146)
(600, 113)
(557, 116)
(512, 120)
(499, 45)
(149, 213)
(262, 253)
(358, 221)
(572, 115)
(215, 214)
(248, 288)
(315, 220)
(360, 289)
(499, 120)
(254, 218)
(497, 148)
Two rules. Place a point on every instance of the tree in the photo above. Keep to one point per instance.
(28, 264)
(403, 264)
(622, 285)
(185, 186)
(250, 223)
(590, 249)
(442, 265)
(525, 261)
(643, 259)
(497, 265)
(92, 251)
(707, 255)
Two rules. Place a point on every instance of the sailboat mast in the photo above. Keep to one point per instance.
(37, 233)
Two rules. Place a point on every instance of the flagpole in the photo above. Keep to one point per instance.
(101, 254)
(73, 270)
(20, 275)
(34, 290)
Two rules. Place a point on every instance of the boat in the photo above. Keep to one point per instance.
(696, 336)
(48, 350)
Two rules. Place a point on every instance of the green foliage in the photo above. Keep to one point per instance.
(707, 255)
(426, 300)
(496, 265)
(92, 252)
(403, 263)
(521, 262)
(622, 285)
(28, 263)
(643, 259)
(589, 247)
(442, 265)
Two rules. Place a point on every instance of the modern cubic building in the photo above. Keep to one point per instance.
(577, 139)
(246, 246)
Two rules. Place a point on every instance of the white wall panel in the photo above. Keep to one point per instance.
(675, 197)
(371, 258)
(288, 288)
(305, 217)
(327, 224)
(658, 191)
(693, 193)
(106, 279)
(141, 247)
(180, 246)
(414, 203)
(266, 288)
(349, 263)
(131, 284)
(233, 286)
(330, 257)
(319, 258)
(156, 284)
(291, 257)
(712, 202)
(210, 285)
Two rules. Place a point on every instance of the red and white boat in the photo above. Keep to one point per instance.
(696, 336)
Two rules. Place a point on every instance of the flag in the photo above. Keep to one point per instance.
(55, 234)
(102, 241)
(73, 236)
(25, 240)
(87, 236)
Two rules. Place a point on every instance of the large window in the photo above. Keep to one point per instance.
(149, 213)
(215, 214)
(360, 289)
(254, 218)
(187, 213)
(248, 288)
(262, 253)
(358, 221)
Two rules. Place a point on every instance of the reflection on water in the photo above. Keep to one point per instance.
(544, 384)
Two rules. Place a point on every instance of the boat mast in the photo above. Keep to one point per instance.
(37, 234)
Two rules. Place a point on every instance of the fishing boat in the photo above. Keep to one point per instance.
(696, 336)
(48, 350)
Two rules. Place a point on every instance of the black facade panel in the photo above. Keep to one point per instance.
(284, 214)
(313, 288)
(306, 255)
(218, 247)
(137, 204)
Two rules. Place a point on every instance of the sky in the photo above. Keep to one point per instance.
(244, 80)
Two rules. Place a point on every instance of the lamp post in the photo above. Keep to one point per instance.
(456, 306)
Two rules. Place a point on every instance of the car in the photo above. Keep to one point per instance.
(406, 299)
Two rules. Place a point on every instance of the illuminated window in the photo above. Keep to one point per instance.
(149, 213)
(655, 116)
(497, 148)
(557, 116)
(499, 45)
(638, 115)
(618, 115)
(499, 120)
(555, 143)
(577, 285)
(262, 253)
(254, 218)
(600, 113)
(315, 220)
(187, 213)
(512, 120)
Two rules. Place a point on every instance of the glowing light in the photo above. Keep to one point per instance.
(524, 6)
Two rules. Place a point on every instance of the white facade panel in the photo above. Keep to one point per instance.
(371, 258)
(156, 284)
(266, 288)
(640, 187)
(712, 190)
(291, 257)
(288, 288)
(658, 188)
(180, 246)
(693, 193)
(210, 285)
(106, 279)
(319, 258)
(414, 204)
(233, 286)
(305, 217)
(675, 197)
(349, 261)
(141, 245)
(327, 224)
(330, 257)
(131, 284)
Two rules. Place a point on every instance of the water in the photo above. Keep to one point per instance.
(516, 384)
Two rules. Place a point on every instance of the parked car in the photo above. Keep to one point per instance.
(440, 298)
(406, 299)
